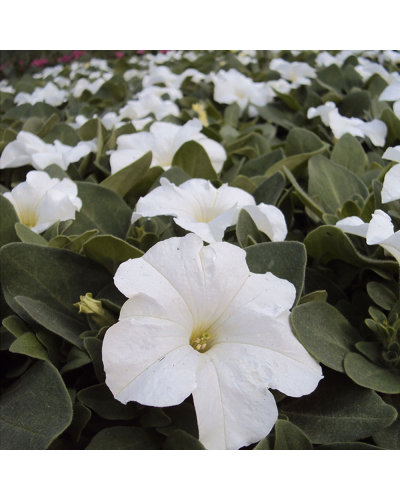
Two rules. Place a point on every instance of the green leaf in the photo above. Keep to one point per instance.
(331, 243)
(356, 104)
(110, 252)
(259, 165)
(339, 410)
(270, 190)
(264, 444)
(64, 133)
(348, 446)
(29, 345)
(28, 236)
(76, 359)
(193, 159)
(35, 409)
(303, 196)
(284, 259)
(94, 348)
(64, 325)
(381, 295)
(324, 332)
(369, 375)
(53, 277)
(318, 295)
(81, 417)
(393, 125)
(246, 227)
(123, 438)
(349, 153)
(371, 350)
(154, 417)
(8, 220)
(333, 183)
(102, 209)
(290, 437)
(15, 325)
(100, 399)
(123, 181)
(300, 145)
(181, 440)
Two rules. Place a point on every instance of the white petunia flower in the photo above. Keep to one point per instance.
(297, 73)
(379, 231)
(41, 201)
(151, 103)
(392, 93)
(197, 321)
(375, 130)
(49, 71)
(50, 94)
(207, 211)
(164, 140)
(28, 149)
(163, 75)
(4, 87)
(231, 86)
(391, 184)
(172, 92)
(84, 84)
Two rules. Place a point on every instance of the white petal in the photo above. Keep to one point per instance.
(123, 158)
(353, 225)
(392, 245)
(391, 185)
(391, 93)
(392, 154)
(376, 130)
(149, 361)
(233, 405)
(187, 133)
(380, 228)
(215, 151)
(270, 220)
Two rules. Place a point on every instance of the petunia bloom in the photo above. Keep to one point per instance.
(197, 321)
(41, 201)
(28, 149)
(391, 184)
(207, 211)
(297, 73)
(50, 94)
(375, 130)
(379, 231)
(231, 86)
(164, 140)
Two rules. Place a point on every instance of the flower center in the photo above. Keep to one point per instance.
(29, 218)
(200, 342)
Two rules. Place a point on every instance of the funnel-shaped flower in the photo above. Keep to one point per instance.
(379, 231)
(207, 211)
(41, 201)
(164, 140)
(197, 321)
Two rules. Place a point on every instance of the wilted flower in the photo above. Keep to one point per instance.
(379, 231)
(164, 140)
(41, 201)
(28, 149)
(207, 211)
(197, 321)
(50, 94)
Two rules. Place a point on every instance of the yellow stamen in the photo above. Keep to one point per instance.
(200, 110)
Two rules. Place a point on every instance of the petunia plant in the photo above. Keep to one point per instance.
(200, 250)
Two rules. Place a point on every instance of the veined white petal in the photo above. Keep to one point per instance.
(380, 228)
(149, 361)
(269, 219)
(233, 405)
(353, 225)
(392, 154)
(391, 184)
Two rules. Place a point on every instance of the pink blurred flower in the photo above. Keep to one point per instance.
(65, 59)
(119, 54)
(39, 62)
(76, 54)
